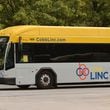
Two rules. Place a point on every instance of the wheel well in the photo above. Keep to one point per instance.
(50, 70)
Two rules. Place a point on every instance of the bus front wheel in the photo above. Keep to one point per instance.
(45, 80)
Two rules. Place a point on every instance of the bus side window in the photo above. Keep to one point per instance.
(10, 57)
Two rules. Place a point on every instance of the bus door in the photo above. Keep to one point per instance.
(9, 61)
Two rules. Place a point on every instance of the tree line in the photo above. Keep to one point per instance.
(55, 12)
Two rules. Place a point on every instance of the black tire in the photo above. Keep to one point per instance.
(23, 86)
(45, 80)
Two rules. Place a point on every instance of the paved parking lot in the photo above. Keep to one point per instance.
(74, 98)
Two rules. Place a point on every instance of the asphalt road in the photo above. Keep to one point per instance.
(72, 98)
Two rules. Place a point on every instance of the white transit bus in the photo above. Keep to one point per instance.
(47, 56)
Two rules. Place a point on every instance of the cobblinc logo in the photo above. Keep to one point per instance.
(94, 74)
(82, 71)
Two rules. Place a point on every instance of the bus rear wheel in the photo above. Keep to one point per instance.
(45, 80)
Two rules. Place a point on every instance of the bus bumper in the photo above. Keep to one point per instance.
(10, 81)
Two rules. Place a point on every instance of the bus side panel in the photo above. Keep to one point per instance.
(66, 72)
(25, 74)
(83, 72)
(80, 72)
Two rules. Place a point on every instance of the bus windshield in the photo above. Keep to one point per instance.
(3, 44)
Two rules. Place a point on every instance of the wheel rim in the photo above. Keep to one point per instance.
(45, 79)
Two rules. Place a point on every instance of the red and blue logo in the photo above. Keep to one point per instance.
(83, 72)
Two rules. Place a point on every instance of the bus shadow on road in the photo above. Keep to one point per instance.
(61, 87)
(84, 86)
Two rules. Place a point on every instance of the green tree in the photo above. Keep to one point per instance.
(55, 12)
(98, 13)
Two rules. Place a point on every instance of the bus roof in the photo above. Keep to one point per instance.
(57, 34)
